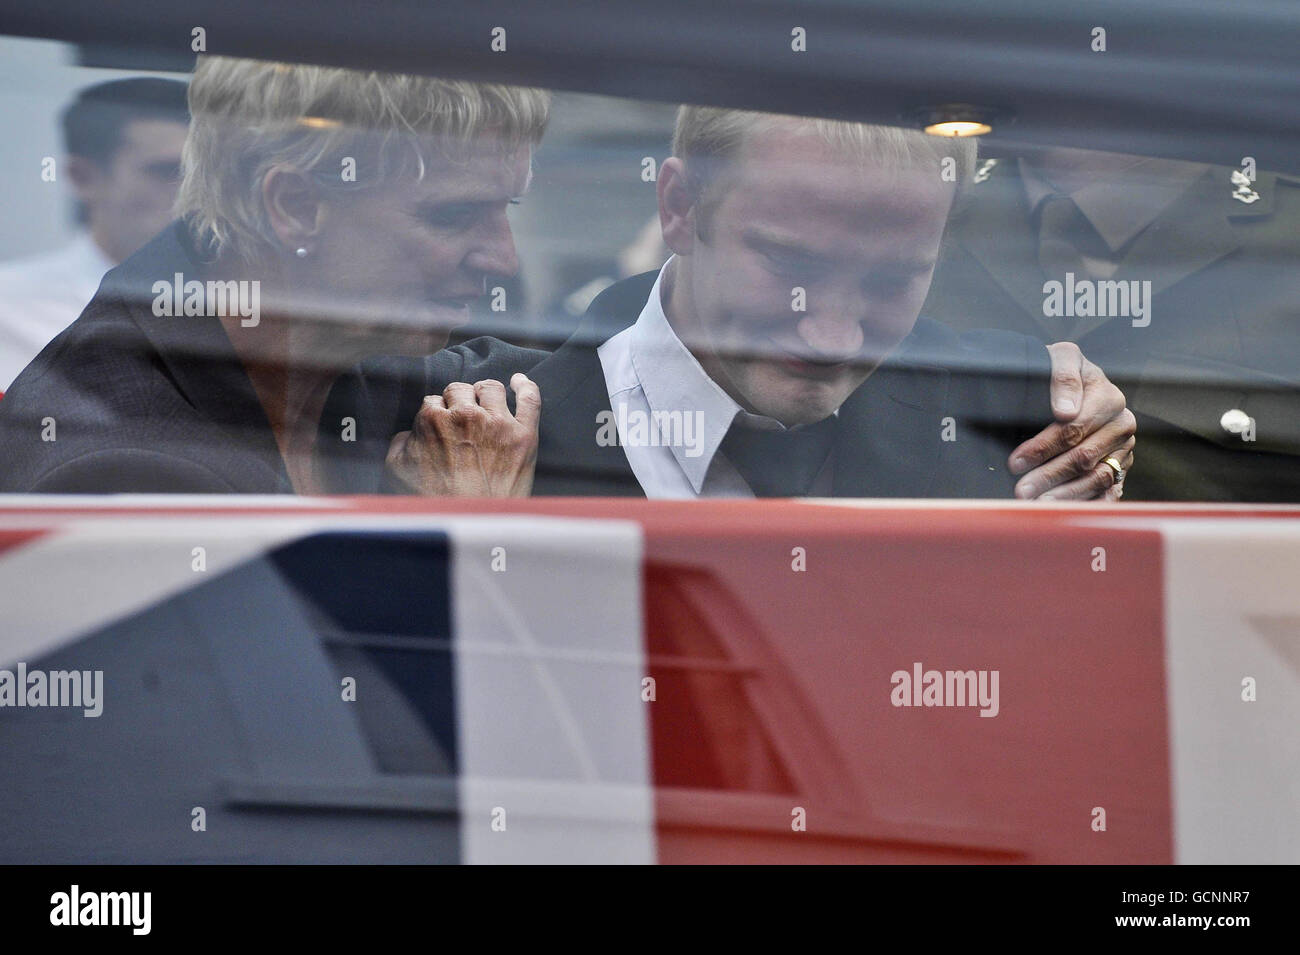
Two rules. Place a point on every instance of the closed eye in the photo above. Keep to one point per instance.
(791, 263)
(889, 286)
(458, 215)
(449, 216)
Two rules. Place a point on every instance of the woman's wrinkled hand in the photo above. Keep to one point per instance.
(466, 443)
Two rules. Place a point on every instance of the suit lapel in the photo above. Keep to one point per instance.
(1189, 235)
(1006, 246)
(569, 461)
(195, 349)
(1192, 233)
(879, 452)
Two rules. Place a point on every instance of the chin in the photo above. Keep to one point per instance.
(414, 342)
(794, 413)
(794, 401)
(807, 415)
(423, 343)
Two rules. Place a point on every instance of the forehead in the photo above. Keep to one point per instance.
(153, 138)
(791, 176)
(483, 169)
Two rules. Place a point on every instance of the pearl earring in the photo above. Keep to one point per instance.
(302, 253)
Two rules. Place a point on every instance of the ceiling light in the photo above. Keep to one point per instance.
(955, 119)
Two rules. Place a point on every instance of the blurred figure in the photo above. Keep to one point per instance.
(1212, 366)
(123, 143)
(645, 252)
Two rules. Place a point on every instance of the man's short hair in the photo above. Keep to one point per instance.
(707, 139)
(250, 115)
(94, 122)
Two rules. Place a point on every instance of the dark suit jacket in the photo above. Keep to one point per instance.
(138, 403)
(994, 386)
(1224, 332)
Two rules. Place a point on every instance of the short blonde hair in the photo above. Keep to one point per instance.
(250, 115)
(708, 139)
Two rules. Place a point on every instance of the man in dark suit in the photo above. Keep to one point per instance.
(1211, 363)
(778, 353)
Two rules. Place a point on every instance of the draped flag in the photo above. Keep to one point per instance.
(256, 680)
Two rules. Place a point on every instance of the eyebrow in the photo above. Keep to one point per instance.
(435, 205)
(901, 266)
(431, 203)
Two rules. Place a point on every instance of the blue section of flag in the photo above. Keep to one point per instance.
(389, 595)
(226, 697)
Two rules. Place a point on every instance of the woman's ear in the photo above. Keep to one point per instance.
(294, 206)
(676, 207)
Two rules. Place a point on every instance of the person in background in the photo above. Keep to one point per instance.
(123, 143)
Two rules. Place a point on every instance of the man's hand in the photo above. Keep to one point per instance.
(466, 443)
(1065, 460)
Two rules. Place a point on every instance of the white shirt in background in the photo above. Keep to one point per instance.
(40, 296)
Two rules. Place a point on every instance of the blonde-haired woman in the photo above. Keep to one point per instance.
(325, 215)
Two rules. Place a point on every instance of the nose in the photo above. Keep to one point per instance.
(832, 335)
(494, 249)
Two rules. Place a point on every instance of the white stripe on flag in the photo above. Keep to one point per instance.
(1233, 611)
(553, 733)
(88, 573)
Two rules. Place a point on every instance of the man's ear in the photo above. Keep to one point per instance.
(676, 207)
(294, 205)
(86, 176)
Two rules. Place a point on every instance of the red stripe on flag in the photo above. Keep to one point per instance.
(773, 692)
(16, 538)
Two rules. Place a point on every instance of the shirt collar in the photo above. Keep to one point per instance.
(1147, 188)
(89, 256)
(673, 380)
(87, 265)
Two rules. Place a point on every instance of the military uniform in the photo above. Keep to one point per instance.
(1214, 378)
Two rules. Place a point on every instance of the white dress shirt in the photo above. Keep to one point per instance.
(649, 370)
(40, 296)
